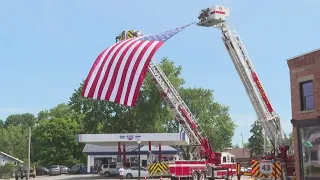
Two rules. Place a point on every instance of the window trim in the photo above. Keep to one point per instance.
(302, 97)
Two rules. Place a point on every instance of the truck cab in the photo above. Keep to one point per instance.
(228, 158)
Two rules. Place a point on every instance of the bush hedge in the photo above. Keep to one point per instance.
(7, 171)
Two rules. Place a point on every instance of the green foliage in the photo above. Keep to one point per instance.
(246, 145)
(24, 120)
(256, 141)
(13, 141)
(55, 137)
(1, 123)
(213, 117)
(6, 171)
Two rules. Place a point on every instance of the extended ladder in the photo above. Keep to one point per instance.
(269, 120)
(177, 105)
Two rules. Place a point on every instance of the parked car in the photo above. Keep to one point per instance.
(55, 170)
(78, 169)
(21, 172)
(64, 170)
(133, 172)
(108, 170)
(42, 171)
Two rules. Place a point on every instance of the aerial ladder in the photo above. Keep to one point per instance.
(202, 150)
(216, 17)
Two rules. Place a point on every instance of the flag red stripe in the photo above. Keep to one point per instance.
(105, 76)
(143, 73)
(91, 72)
(96, 78)
(141, 53)
(129, 73)
(116, 71)
(125, 71)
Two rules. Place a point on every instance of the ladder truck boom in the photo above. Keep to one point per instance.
(181, 111)
(269, 119)
(215, 17)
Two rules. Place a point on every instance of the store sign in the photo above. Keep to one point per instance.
(130, 137)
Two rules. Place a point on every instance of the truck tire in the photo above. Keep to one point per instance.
(106, 174)
(129, 176)
(195, 175)
(202, 175)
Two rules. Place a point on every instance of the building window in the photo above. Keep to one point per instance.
(306, 90)
(314, 156)
(310, 146)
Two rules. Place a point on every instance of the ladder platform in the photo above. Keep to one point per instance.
(210, 22)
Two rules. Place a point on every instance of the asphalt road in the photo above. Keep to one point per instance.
(95, 176)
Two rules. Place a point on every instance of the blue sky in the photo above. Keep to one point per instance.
(47, 48)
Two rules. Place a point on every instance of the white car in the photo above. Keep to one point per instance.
(133, 172)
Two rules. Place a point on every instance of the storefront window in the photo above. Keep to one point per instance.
(310, 147)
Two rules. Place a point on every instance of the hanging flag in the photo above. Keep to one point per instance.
(118, 72)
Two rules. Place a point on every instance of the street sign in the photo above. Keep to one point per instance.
(266, 167)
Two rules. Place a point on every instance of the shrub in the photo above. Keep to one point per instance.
(7, 171)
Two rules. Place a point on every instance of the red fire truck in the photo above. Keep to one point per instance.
(277, 164)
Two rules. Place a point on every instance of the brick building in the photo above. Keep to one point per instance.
(305, 104)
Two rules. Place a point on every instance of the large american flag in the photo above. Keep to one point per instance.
(118, 72)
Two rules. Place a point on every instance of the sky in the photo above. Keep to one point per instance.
(48, 47)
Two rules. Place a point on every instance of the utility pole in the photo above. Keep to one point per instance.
(29, 147)
(265, 142)
(242, 148)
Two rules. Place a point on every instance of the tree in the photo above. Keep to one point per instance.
(24, 120)
(1, 123)
(14, 141)
(54, 138)
(212, 117)
(256, 140)
(290, 140)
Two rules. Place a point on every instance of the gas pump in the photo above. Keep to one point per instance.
(151, 157)
(119, 161)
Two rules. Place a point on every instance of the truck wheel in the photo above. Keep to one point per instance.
(107, 174)
(202, 175)
(129, 176)
(195, 175)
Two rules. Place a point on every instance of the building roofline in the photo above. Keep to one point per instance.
(309, 52)
(11, 157)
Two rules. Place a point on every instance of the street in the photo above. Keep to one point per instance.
(95, 176)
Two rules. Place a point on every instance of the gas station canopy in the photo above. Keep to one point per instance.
(133, 138)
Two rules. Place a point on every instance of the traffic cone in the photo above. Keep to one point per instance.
(160, 177)
(145, 178)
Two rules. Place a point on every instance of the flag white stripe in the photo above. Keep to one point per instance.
(114, 63)
(94, 73)
(138, 71)
(121, 69)
(126, 82)
(104, 69)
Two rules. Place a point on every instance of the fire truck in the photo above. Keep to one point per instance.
(277, 164)
(204, 163)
